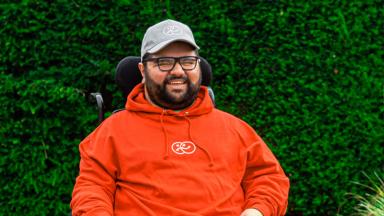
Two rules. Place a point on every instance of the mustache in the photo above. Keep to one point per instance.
(173, 77)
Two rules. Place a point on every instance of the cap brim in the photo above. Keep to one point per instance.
(163, 44)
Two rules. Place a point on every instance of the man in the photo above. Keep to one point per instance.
(170, 152)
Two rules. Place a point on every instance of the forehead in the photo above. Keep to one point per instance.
(176, 49)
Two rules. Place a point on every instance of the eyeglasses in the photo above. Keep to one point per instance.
(167, 64)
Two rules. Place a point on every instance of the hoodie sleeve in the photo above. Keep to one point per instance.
(265, 184)
(94, 190)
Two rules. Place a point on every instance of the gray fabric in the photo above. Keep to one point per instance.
(163, 33)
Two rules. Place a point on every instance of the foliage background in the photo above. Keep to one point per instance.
(307, 75)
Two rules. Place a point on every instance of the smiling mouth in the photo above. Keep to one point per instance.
(177, 86)
(176, 82)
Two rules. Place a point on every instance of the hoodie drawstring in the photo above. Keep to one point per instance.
(166, 156)
(201, 147)
(165, 135)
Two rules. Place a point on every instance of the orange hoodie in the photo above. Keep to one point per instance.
(200, 161)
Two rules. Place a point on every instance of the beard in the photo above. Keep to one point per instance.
(162, 97)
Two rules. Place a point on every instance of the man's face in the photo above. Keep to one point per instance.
(175, 89)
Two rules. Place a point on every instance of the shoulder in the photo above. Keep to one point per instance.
(112, 122)
(237, 125)
(230, 118)
(116, 117)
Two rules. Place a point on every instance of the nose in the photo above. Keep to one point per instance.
(177, 70)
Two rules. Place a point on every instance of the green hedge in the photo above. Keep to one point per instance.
(307, 75)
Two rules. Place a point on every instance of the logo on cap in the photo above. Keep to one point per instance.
(172, 30)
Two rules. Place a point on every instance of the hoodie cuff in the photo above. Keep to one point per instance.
(97, 212)
(263, 209)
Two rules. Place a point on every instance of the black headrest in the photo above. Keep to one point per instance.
(128, 74)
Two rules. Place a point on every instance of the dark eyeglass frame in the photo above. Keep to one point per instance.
(176, 60)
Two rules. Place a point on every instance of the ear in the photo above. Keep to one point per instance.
(141, 68)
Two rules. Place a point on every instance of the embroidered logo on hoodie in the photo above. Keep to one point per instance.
(186, 147)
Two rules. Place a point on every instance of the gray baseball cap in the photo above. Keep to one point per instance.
(163, 33)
